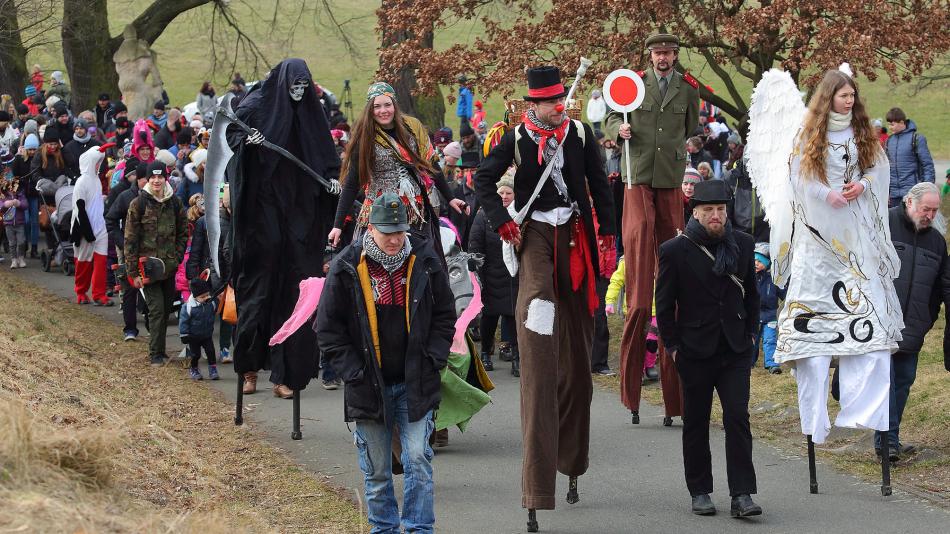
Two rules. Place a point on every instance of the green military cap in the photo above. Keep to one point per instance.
(388, 214)
(663, 41)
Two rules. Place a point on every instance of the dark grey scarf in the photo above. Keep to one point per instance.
(82, 140)
(390, 263)
(727, 249)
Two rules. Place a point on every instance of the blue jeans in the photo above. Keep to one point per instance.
(33, 221)
(374, 445)
(903, 374)
(766, 339)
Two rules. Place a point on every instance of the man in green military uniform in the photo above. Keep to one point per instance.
(156, 227)
(653, 205)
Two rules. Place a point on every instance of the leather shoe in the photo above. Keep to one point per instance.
(742, 506)
(283, 391)
(907, 448)
(651, 373)
(250, 382)
(893, 454)
(703, 505)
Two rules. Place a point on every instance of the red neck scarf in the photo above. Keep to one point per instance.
(558, 133)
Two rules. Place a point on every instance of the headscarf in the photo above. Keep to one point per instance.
(380, 89)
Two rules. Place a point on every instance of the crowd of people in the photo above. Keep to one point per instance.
(565, 237)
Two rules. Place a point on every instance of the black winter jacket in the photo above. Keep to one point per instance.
(344, 334)
(924, 280)
(200, 257)
(499, 288)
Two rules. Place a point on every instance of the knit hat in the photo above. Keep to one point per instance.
(507, 179)
(31, 142)
(59, 106)
(157, 168)
(453, 150)
(478, 104)
(197, 124)
(160, 105)
(199, 287)
(466, 130)
(49, 136)
(4, 116)
(79, 123)
(692, 176)
(199, 156)
(596, 93)
(141, 170)
(29, 91)
(380, 89)
(57, 76)
(122, 122)
(165, 157)
(762, 254)
(443, 135)
(734, 139)
(119, 107)
(877, 123)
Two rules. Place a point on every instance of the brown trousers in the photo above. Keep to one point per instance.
(650, 217)
(555, 333)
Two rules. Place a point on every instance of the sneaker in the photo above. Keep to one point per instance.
(14, 264)
(159, 359)
(213, 372)
(22, 261)
(195, 373)
(605, 372)
(774, 370)
(82, 299)
(330, 385)
(226, 356)
(131, 336)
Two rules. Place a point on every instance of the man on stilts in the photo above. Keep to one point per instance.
(558, 253)
(653, 206)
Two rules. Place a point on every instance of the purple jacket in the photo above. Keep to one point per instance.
(19, 217)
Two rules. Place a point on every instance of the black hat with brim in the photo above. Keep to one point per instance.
(710, 192)
(544, 83)
(469, 160)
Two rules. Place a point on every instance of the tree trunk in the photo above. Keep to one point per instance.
(87, 52)
(88, 48)
(13, 73)
(430, 109)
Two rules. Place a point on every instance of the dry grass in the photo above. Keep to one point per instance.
(774, 414)
(92, 439)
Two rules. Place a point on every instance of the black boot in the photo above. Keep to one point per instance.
(504, 351)
(33, 254)
(532, 520)
(634, 417)
(486, 362)
(515, 362)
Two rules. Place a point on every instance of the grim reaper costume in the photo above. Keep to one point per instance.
(839, 264)
(280, 220)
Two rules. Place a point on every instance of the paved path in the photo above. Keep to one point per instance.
(635, 482)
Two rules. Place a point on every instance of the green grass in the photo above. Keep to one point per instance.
(185, 60)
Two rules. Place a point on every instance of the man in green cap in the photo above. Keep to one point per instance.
(388, 344)
(653, 205)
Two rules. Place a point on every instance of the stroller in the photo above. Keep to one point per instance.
(59, 249)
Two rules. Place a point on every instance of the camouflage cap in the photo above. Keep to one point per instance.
(663, 41)
(388, 214)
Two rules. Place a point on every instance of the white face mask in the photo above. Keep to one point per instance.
(297, 89)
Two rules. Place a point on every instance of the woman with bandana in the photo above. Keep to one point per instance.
(390, 153)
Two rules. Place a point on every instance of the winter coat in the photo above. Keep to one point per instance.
(165, 138)
(464, 106)
(924, 280)
(617, 281)
(71, 152)
(206, 103)
(52, 169)
(117, 212)
(156, 227)
(196, 320)
(769, 294)
(64, 132)
(60, 91)
(658, 132)
(191, 185)
(499, 288)
(200, 257)
(350, 341)
(23, 169)
(596, 110)
(908, 167)
(17, 215)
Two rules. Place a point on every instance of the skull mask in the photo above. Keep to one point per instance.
(297, 89)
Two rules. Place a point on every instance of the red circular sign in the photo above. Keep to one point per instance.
(623, 91)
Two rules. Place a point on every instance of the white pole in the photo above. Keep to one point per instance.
(626, 150)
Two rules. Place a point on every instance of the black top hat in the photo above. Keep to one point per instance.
(544, 83)
(469, 160)
(710, 192)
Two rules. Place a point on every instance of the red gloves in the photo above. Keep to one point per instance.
(105, 147)
(608, 255)
(510, 232)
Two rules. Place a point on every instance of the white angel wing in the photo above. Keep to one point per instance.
(775, 117)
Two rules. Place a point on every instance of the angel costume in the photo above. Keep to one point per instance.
(88, 229)
(839, 264)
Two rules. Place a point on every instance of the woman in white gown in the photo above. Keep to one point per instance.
(840, 264)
